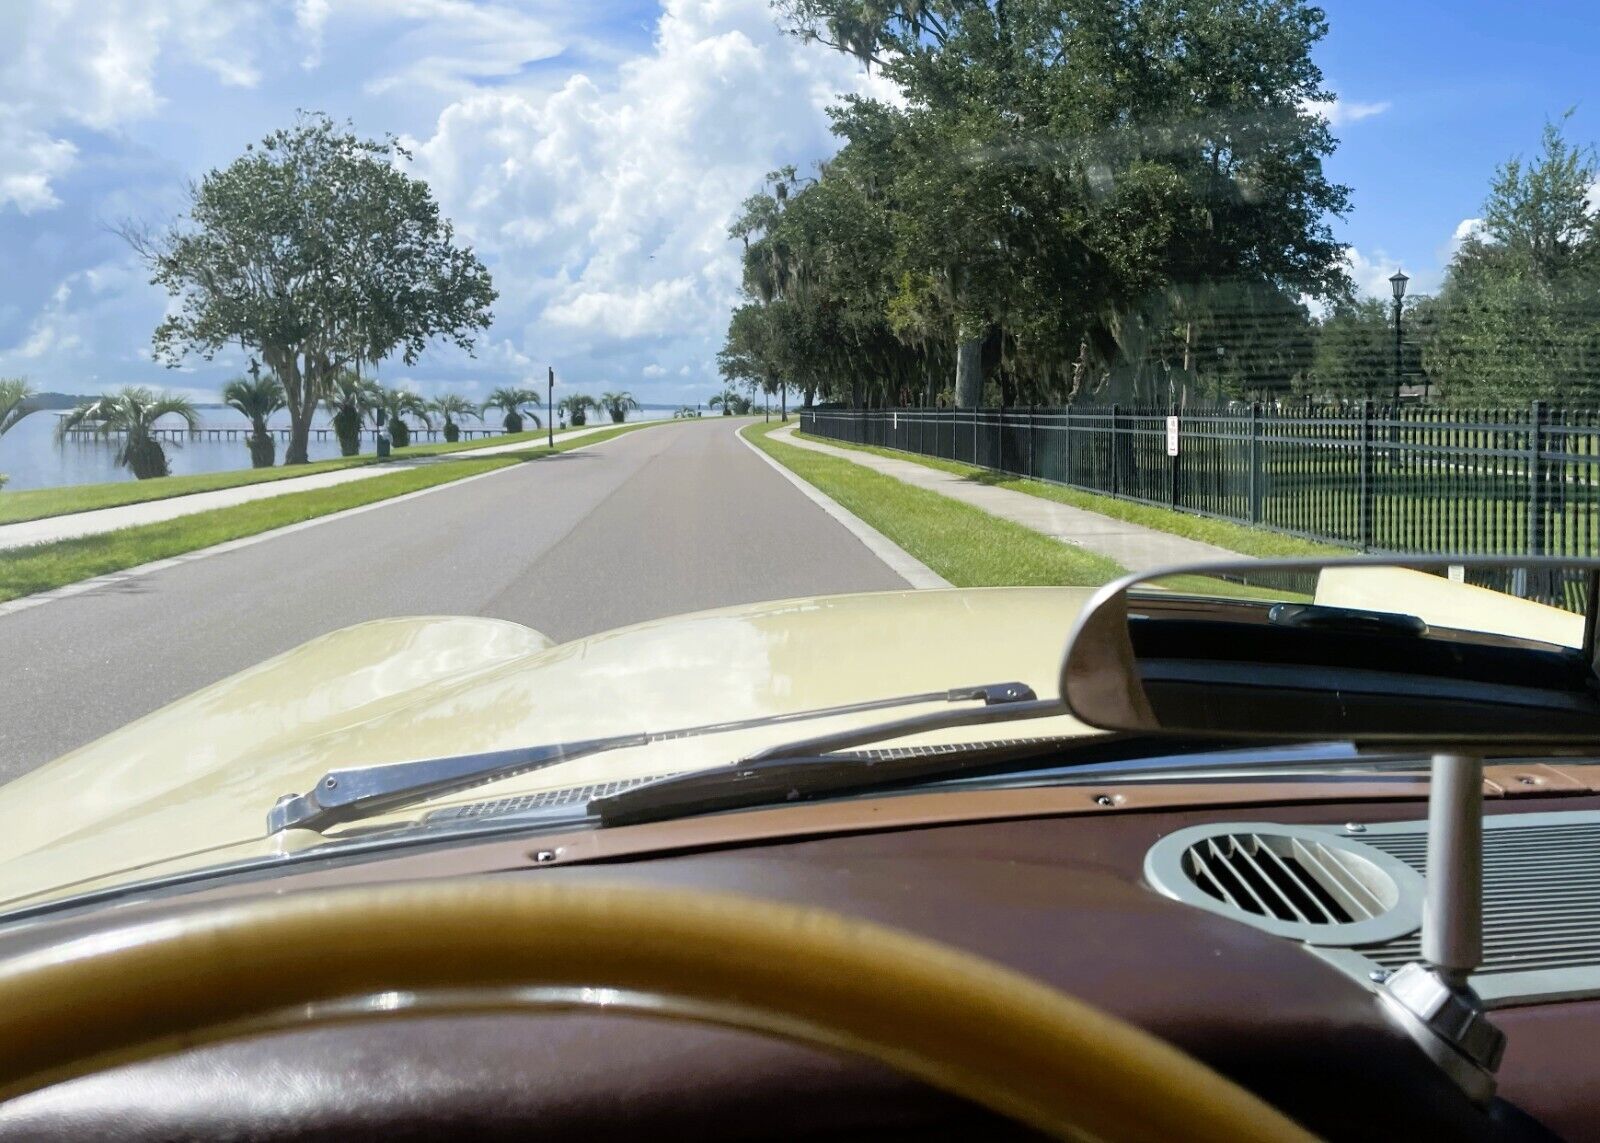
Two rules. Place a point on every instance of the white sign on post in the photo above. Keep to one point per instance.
(1172, 436)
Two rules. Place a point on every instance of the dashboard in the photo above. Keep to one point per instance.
(1101, 900)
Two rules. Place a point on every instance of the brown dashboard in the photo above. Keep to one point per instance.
(1045, 881)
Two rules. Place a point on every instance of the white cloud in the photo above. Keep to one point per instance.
(1339, 112)
(443, 45)
(603, 206)
(29, 161)
(1466, 228)
(652, 370)
(91, 64)
(1371, 274)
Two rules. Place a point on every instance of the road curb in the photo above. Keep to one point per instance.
(901, 562)
(112, 579)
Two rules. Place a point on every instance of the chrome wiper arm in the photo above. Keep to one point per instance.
(345, 795)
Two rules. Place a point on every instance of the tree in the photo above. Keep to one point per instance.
(314, 251)
(133, 412)
(517, 404)
(1355, 351)
(449, 406)
(1055, 202)
(14, 394)
(576, 407)
(393, 406)
(349, 400)
(731, 402)
(618, 405)
(257, 397)
(1518, 317)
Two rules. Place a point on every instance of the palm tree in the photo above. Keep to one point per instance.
(395, 405)
(576, 406)
(133, 412)
(515, 404)
(450, 406)
(14, 393)
(349, 399)
(257, 397)
(730, 401)
(618, 405)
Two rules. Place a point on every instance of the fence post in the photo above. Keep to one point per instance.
(1116, 483)
(975, 434)
(1000, 442)
(1030, 442)
(1177, 461)
(1364, 485)
(1537, 478)
(1066, 448)
(1253, 462)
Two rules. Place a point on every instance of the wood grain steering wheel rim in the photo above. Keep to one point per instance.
(960, 1023)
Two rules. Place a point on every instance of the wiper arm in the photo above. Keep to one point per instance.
(345, 795)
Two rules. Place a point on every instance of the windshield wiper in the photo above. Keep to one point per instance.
(345, 795)
(780, 781)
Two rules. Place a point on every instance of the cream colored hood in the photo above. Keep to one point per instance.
(190, 785)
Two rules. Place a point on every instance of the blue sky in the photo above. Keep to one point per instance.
(1462, 85)
(594, 152)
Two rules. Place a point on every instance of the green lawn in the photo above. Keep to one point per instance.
(1240, 538)
(965, 545)
(41, 567)
(39, 503)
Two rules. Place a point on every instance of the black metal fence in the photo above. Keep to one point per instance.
(1411, 479)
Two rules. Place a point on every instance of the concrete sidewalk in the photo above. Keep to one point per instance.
(1134, 547)
(74, 524)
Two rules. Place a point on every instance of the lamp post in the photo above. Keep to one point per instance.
(550, 408)
(1398, 283)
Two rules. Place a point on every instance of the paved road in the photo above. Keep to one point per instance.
(671, 519)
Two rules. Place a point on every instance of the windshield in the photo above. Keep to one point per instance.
(459, 386)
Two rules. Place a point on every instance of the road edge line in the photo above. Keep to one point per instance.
(111, 579)
(905, 565)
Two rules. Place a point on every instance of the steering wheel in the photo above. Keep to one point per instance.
(956, 1021)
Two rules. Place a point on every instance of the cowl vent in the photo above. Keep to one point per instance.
(1293, 882)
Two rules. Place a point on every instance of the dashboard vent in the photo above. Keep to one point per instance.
(1275, 876)
(1295, 882)
(1541, 894)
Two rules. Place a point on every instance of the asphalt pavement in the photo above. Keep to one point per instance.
(676, 518)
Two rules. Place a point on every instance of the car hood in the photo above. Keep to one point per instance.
(190, 785)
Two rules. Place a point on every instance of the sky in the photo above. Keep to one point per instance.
(594, 153)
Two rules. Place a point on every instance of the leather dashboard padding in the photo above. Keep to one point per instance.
(1055, 897)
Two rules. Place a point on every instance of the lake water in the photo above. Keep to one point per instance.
(31, 457)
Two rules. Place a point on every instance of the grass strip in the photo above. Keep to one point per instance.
(1241, 538)
(965, 545)
(41, 503)
(40, 567)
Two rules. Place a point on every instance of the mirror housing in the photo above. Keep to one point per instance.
(1439, 651)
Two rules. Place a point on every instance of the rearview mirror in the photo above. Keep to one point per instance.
(1425, 649)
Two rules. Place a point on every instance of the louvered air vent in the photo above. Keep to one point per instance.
(1294, 882)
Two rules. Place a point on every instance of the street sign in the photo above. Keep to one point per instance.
(1172, 436)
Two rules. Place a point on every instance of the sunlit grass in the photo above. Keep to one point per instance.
(966, 545)
(1241, 538)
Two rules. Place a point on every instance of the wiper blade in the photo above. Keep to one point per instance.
(345, 795)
